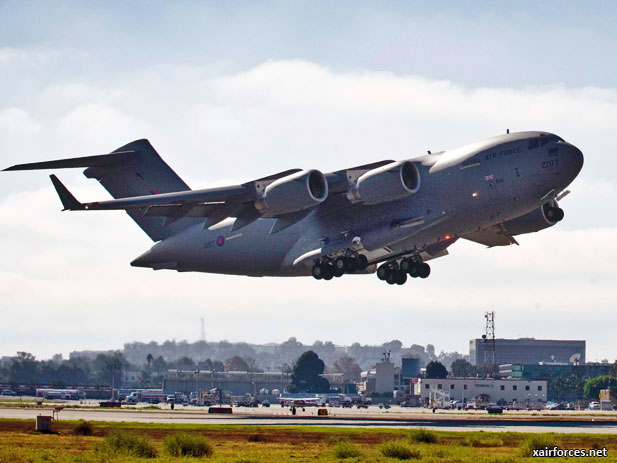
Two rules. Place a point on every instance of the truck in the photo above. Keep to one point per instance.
(153, 396)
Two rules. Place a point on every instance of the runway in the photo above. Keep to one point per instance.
(275, 416)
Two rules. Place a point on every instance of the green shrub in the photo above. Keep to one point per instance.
(537, 441)
(188, 445)
(346, 450)
(128, 443)
(84, 428)
(486, 441)
(423, 435)
(399, 449)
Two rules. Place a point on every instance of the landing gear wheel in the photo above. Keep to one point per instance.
(414, 269)
(406, 264)
(382, 272)
(340, 264)
(337, 271)
(318, 271)
(362, 262)
(392, 277)
(401, 277)
(425, 271)
(328, 272)
(351, 265)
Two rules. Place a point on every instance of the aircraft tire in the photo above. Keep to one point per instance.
(425, 271)
(392, 277)
(406, 264)
(328, 273)
(338, 272)
(317, 271)
(414, 270)
(362, 261)
(340, 264)
(382, 272)
(351, 265)
(401, 277)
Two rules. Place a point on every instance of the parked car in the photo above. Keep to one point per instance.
(8, 392)
(594, 405)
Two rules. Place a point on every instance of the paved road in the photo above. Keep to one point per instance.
(376, 419)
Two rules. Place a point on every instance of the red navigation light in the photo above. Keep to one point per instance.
(447, 237)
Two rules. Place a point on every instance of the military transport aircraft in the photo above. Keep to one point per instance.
(399, 214)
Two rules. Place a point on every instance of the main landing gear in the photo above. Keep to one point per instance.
(326, 269)
(394, 273)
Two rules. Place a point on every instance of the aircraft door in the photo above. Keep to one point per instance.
(493, 196)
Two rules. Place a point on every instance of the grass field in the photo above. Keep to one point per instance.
(136, 442)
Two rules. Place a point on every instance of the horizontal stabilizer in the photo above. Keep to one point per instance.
(68, 200)
(100, 160)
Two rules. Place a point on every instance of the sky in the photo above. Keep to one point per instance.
(231, 91)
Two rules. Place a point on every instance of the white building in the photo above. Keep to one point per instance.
(496, 390)
(380, 379)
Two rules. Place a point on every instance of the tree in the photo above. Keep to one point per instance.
(236, 363)
(566, 387)
(436, 370)
(109, 368)
(349, 367)
(149, 359)
(592, 387)
(185, 363)
(24, 369)
(306, 373)
(159, 364)
(461, 368)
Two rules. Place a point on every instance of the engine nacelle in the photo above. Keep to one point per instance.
(387, 183)
(543, 217)
(293, 193)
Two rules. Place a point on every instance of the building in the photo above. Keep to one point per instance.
(410, 368)
(528, 351)
(232, 382)
(383, 379)
(494, 390)
(235, 382)
(553, 370)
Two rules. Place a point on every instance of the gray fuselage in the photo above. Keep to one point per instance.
(461, 191)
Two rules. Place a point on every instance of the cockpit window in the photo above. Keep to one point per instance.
(533, 143)
(543, 140)
(554, 138)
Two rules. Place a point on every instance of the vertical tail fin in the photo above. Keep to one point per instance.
(142, 173)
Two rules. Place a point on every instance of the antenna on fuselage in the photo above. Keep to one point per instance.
(507, 130)
(428, 151)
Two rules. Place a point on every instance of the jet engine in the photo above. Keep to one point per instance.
(543, 217)
(387, 183)
(293, 193)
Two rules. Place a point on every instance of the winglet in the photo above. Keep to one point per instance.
(68, 200)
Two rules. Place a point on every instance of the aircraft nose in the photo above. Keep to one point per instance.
(573, 158)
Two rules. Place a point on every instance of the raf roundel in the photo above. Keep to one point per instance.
(220, 241)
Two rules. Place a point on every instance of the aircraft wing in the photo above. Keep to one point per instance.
(213, 204)
(494, 236)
